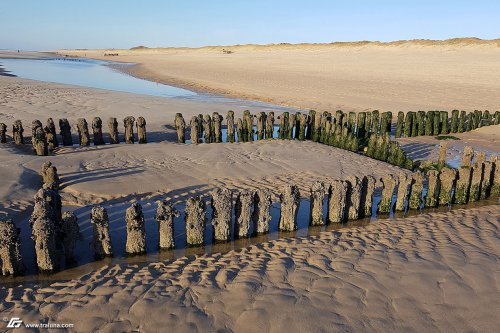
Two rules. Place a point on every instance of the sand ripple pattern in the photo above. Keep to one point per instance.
(427, 273)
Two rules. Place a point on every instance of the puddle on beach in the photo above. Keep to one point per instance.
(116, 211)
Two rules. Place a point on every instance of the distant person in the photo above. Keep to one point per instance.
(17, 51)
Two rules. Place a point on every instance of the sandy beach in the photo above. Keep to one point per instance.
(404, 75)
(432, 272)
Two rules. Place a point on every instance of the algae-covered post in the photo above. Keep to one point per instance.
(290, 202)
(83, 131)
(165, 214)
(180, 127)
(447, 178)
(207, 128)
(262, 211)
(100, 239)
(291, 124)
(222, 214)
(243, 213)
(353, 199)
(487, 177)
(429, 123)
(404, 182)
(454, 121)
(270, 125)
(248, 122)
(261, 125)
(302, 126)
(367, 189)
(462, 126)
(420, 117)
(467, 156)
(113, 131)
(240, 130)
(431, 198)
(317, 197)
(136, 230)
(194, 130)
(444, 122)
(141, 130)
(495, 187)
(17, 132)
(463, 185)
(443, 146)
(97, 131)
(128, 122)
(230, 126)
(310, 124)
(11, 261)
(400, 124)
(337, 201)
(217, 127)
(416, 189)
(195, 221)
(389, 183)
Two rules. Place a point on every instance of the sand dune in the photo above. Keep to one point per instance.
(426, 273)
(403, 75)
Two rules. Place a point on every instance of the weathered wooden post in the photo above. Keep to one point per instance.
(416, 188)
(353, 197)
(404, 181)
(290, 203)
(180, 127)
(433, 189)
(496, 118)
(270, 125)
(360, 126)
(100, 239)
(325, 131)
(486, 183)
(136, 230)
(83, 132)
(444, 122)
(97, 131)
(141, 130)
(207, 128)
(11, 261)
(128, 122)
(302, 126)
(447, 178)
(317, 126)
(248, 120)
(420, 117)
(217, 127)
(368, 124)
(476, 181)
(71, 234)
(318, 193)
(222, 214)
(442, 155)
(200, 127)
(262, 211)
(165, 214)
(230, 126)
(17, 132)
(351, 122)
(400, 124)
(385, 122)
(49, 175)
(113, 131)
(429, 123)
(495, 188)
(195, 221)
(291, 124)
(437, 123)
(39, 142)
(375, 122)
(50, 134)
(283, 129)
(467, 156)
(454, 121)
(243, 213)
(469, 122)
(35, 125)
(65, 131)
(463, 185)
(240, 129)
(462, 126)
(389, 183)
(261, 125)
(3, 132)
(194, 130)
(44, 235)
(337, 196)
(310, 124)
(408, 124)
(367, 189)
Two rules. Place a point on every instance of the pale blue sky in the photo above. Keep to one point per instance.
(54, 24)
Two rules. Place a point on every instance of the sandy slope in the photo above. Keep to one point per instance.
(415, 75)
(430, 273)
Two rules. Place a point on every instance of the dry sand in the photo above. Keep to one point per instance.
(407, 75)
(431, 273)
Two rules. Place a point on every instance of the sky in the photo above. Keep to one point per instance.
(70, 24)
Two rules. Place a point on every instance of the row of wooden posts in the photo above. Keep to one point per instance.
(440, 123)
(349, 199)
(44, 138)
